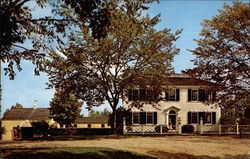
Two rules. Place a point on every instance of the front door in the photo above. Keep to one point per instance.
(172, 119)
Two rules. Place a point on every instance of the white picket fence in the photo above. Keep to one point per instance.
(148, 129)
(200, 129)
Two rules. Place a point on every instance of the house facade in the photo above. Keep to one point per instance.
(20, 119)
(91, 122)
(17, 122)
(184, 104)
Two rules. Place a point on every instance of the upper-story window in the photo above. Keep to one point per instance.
(173, 95)
(141, 94)
(194, 95)
(201, 95)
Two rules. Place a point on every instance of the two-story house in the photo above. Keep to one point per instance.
(183, 105)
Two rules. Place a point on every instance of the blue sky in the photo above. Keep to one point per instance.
(28, 89)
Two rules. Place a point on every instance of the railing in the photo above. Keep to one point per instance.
(244, 129)
(208, 129)
(148, 129)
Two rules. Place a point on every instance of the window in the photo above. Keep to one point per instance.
(143, 118)
(173, 95)
(89, 125)
(201, 95)
(103, 125)
(194, 95)
(141, 94)
(75, 125)
(208, 118)
(149, 118)
(136, 118)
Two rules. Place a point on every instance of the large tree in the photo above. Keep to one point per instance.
(223, 54)
(132, 54)
(18, 25)
(65, 108)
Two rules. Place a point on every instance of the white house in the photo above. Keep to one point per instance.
(183, 106)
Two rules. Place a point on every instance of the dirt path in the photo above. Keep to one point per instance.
(160, 147)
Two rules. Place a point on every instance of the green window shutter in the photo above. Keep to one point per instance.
(189, 117)
(213, 117)
(142, 117)
(202, 95)
(213, 97)
(130, 95)
(189, 95)
(166, 96)
(129, 119)
(177, 94)
(155, 117)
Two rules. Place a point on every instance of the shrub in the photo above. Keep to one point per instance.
(227, 120)
(187, 128)
(2, 130)
(244, 121)
(40, 128)
(164, 128)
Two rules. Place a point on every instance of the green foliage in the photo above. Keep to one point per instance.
(96, 114)
(2, 130)
(227, 120)
(223, 54)
(131, 54)
(40, 128)
(65, 108)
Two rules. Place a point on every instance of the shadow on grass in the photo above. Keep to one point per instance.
(70, 153)
(167, 155)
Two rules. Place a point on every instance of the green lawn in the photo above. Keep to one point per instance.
(71, 153)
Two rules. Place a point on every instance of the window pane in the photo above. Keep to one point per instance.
(149, 118)
(194, 117)
(172, 95)
(208, 118)
(135, 94)
(194, 95)
(135, 118)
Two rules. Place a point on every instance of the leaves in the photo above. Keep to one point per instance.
(223, 53)
(65, 108)
(132, 54)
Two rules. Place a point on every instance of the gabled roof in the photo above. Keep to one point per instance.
(91, 120)
(27, 114)
(189, 81)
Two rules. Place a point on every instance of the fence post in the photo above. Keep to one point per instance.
(237, 128)
(179, 125)
(219, 129)
(200, 126)
(179, 129)
(161, 129)
(142, 129)
(124, 126)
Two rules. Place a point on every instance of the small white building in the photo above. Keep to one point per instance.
(184, 105)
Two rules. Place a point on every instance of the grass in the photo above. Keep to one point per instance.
(71, 153)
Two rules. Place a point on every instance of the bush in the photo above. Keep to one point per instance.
(164, 128)
(244, 121)
(2, 130)
(187, 128)
(40, 128)
(227, 120)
